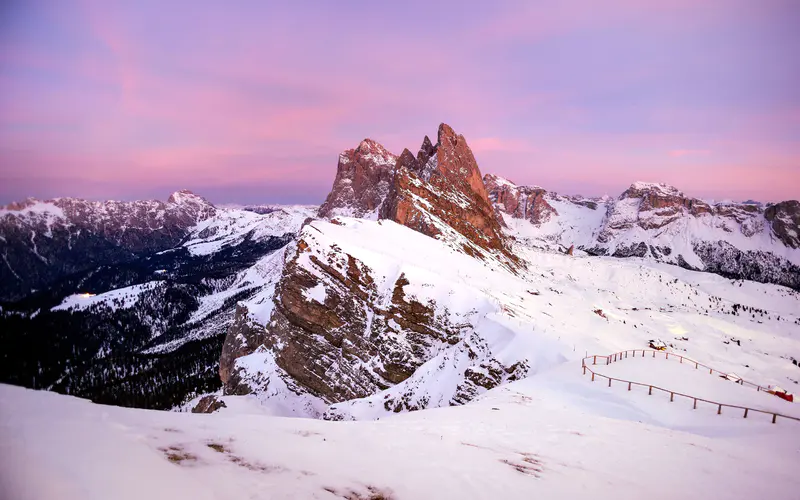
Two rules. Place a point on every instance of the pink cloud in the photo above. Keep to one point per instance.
(486, 144)
(677, 153)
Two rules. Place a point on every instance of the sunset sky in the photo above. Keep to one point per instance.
(251, 101)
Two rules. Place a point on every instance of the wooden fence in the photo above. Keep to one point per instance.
(618, 356)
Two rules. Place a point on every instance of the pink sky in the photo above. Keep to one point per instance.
(252, 104)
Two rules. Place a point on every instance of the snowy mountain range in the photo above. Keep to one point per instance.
(414, 285)
(419, 284)
(658, 222)
(424, 284)
(129, 302)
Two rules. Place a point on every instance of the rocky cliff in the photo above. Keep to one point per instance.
(520, 202)
(342, 329)
(439, 192)
(659, 222)
(363, 179)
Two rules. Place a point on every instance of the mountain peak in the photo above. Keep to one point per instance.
(185, 196)
(638, 188)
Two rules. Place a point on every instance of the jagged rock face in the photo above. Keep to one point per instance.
(520, 202)
(363, 179)
(339, 332)
(441, 191)
(349, 322)
(339, 337)
(209, 404)
(43, 241)
(785, 220)
(243, 336)
(655, 206)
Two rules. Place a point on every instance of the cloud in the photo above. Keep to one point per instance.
(486, 144)
(678, 153)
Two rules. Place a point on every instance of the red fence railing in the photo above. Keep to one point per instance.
(611, 358)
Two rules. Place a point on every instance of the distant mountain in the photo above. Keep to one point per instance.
(44, 241)
(658, 222)
(128, 302)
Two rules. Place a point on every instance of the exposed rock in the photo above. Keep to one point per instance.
(242, 338)
(363, 178)
(354, 341)
(442, 195)
(209, 404)
(520, 202)
(334, 334)
(785, 220)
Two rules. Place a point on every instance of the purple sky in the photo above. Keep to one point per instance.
(251, 101)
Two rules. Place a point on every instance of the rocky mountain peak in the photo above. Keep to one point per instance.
(441, 193)
(639, 189)
(520, 202)
(426, 151)
(362, 181)
(186, 196)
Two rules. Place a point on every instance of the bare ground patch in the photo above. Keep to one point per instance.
(368, 493)
(529, 464)
(177, 455)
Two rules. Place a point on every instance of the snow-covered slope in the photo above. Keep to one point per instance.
(659, 222)
(555, 435)
(413, 323)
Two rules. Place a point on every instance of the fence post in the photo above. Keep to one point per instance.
(592, 376)
(584, 369)
(774, 417)
(667, 355)
(654, 354)
(595, 360)
(642, 352)
(650, 392)
(695, 404)
(710, 371)
(629, 386)
(695, 366)
(719, 410)
(745, 413)
(681, 359)
(671, 396)
(609, 381)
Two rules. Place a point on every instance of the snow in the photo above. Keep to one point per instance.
(545, 316)
(36, 208)
(556, 436)
(553, 434)
(231, 226)
(656, 186)
(316, 294)
(127, 298)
